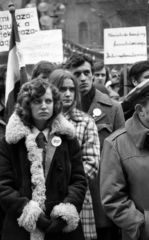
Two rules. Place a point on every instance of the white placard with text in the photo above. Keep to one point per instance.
(125, 45)
(43, 45)
(27, 21)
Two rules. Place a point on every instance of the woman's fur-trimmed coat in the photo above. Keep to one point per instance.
(65, 183)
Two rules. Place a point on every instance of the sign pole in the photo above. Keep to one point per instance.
(125, 80)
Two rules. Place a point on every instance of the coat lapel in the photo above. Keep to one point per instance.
(99, 99)
(50, 151)
(96, 105)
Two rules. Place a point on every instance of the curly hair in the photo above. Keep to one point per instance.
(76, 60)
(31, 91)
(57, 78)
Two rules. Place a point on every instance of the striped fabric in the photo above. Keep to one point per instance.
(13, 72)
(87, 135)
(87, 218)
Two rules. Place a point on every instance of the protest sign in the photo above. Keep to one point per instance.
(27, 21)
(125, 45)
(43, 45)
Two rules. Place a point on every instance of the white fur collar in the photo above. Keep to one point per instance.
(16, 130)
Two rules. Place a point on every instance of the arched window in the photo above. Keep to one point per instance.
(83, 33)
(104, 25)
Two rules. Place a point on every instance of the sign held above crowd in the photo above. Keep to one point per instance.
(125, 45)
(43, 45)
(27, 21)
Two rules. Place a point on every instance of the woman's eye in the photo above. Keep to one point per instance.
(48, 101)
(36, 101)
(72, 89)
(62, 89)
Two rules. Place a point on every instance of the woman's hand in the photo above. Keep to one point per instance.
(57, 225)
(43, 222)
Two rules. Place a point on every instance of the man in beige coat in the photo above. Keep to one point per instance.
(125, 170)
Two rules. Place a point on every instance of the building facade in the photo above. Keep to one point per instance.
(85, 20)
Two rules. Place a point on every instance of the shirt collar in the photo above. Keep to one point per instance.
(36, 131)
(136, 130)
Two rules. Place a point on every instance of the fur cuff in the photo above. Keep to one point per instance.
(67, 212)
(29, 216)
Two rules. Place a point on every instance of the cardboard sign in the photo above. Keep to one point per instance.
(125, 45)
(43, 45)
(27, 21)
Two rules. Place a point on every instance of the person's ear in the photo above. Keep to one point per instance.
(134, 82)
(139, 109)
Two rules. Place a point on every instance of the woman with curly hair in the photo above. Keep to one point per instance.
(87, 135)
(42, 180)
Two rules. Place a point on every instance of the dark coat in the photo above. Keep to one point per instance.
(2, 213)
(65, 183)
(110, 120)
(125, 179)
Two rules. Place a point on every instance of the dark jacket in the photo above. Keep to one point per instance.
(125, 179)
(2, 213)
(110, 119)
(65, 183)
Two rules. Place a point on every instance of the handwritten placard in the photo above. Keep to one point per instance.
(27, 22)
(43, 45)
(125, 45)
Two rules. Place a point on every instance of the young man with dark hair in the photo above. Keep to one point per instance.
(108, 116)
(101, 73)
(139, 72)
(125, 170)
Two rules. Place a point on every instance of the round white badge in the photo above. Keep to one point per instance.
(56, 141)
(96, 112)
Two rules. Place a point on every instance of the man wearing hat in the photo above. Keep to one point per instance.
(124, 172)
(138, 72)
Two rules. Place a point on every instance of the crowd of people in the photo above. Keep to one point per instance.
(74, 154)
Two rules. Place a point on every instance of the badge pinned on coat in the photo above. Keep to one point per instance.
(96, 113)
(56, 141)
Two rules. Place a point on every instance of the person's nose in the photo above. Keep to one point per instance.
(43, 105)
(82, 77)
(100, 77)
(67, 92)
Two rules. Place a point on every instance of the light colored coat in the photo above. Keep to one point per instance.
(125, 179)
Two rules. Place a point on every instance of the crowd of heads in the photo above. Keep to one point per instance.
(83, 73)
